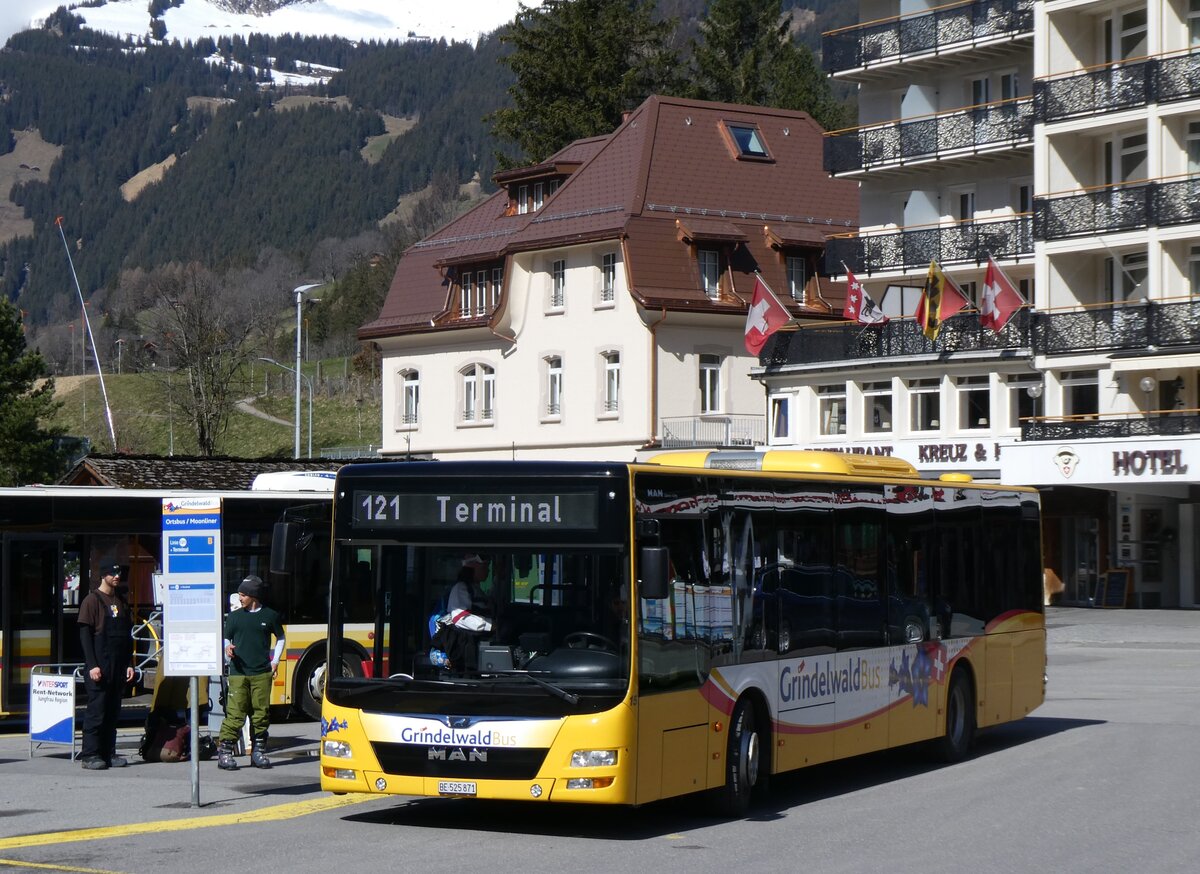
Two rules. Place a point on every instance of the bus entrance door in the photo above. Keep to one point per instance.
(32, 589)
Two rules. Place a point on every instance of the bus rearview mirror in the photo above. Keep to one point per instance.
(284, 537)
(653, 562)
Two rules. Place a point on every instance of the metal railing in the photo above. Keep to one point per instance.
(1117, 86)
(965, 242)
(1119, 207)
(1171, 424)
(963, 130)
(680, 432)
(348, 452)
(888, 39)
(1124, 327)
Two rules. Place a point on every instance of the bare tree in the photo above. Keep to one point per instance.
(208, 330)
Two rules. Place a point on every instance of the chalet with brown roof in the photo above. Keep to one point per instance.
(596, 304)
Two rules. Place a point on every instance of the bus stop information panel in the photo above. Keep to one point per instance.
(192, 608)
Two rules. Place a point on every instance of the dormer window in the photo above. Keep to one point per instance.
(522, 199)
(479, 288)
(537, 196)
(747, 141)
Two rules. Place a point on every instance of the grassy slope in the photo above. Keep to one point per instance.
(143, 426)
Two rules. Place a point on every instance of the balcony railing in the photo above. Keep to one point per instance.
(965, 242)
(965, 130)
(680, 432)
(888, 39)
(1126, 327)
(1117, 208)
(1100, 427)
(1116, 87)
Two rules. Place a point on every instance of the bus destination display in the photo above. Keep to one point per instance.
(550, 511)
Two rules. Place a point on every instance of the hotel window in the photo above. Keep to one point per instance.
(780, 419)
(478, 393)
(1193, 20)
(497, 280)
(925, 404)
(709, 261)
(877, 407)
(981, 91)
(1024, 398)
(1126, 280)
(832, 408)
(464, 295)
(1125, 159)
(554, 385)
(1193, 145)
(1081, 392)
(1194, 271)
(710, 384)
(1010, 86)
(797, 277)
(558, 284)
(522, 200)
(612, 381)
(608, 277)
(974, 402)
(537, 195)
(410, 397)
(481, 293)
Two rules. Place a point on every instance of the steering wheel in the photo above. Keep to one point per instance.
(587, 638)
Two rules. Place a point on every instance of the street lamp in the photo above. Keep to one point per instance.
(299, 292)
(308, 380)
(1034, 391)
(1148, 384)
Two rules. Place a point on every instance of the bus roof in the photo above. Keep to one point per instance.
(295, 481)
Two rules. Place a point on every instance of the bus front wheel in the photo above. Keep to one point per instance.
(954, 745)
(743, 761)
(310, 681)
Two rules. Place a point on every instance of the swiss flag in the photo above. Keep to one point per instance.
(765, 316)
(1001, 300)
(859, 305)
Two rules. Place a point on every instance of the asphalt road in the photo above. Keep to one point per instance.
(1104, 777)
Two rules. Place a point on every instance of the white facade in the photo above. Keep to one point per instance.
(574, 370)
(1064, 139)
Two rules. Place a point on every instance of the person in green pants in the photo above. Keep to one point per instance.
(252, 665)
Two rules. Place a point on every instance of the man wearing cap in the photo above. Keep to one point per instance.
(104, 631)
(252, 665)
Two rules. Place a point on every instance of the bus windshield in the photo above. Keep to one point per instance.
(544, 623)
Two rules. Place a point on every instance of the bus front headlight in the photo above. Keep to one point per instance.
(336, 749)
(593, 758)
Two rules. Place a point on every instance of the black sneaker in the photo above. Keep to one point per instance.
(95, 764)
(117, 761)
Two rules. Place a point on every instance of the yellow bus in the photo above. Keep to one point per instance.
(54, 537)
(695, 623)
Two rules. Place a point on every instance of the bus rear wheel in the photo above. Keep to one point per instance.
(954, 745)
(743, 762)
(310, 681)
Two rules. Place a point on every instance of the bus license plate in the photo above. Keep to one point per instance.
(455, 787)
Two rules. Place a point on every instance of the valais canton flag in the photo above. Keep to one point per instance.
(1001, 300)
(859, 305)
(765, 316)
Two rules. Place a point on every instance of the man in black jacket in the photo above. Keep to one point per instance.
(104, 626)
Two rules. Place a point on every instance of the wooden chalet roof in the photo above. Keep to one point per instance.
(667, 178)
(181, 472)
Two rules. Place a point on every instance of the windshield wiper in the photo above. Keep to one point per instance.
(569, 697)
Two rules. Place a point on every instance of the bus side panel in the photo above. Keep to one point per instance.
(863, 709)
(1029, 671)
(673, 740)
(998, 691)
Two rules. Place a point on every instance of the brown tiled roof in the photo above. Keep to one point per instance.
(666, 176)
(179, 472)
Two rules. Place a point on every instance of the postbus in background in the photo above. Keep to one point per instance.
(695, 623)
(54, 537)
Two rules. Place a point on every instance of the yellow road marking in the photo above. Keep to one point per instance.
(16, 863)
(266, 814)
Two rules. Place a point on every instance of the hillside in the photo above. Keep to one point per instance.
(161, 151)
(346, 413)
